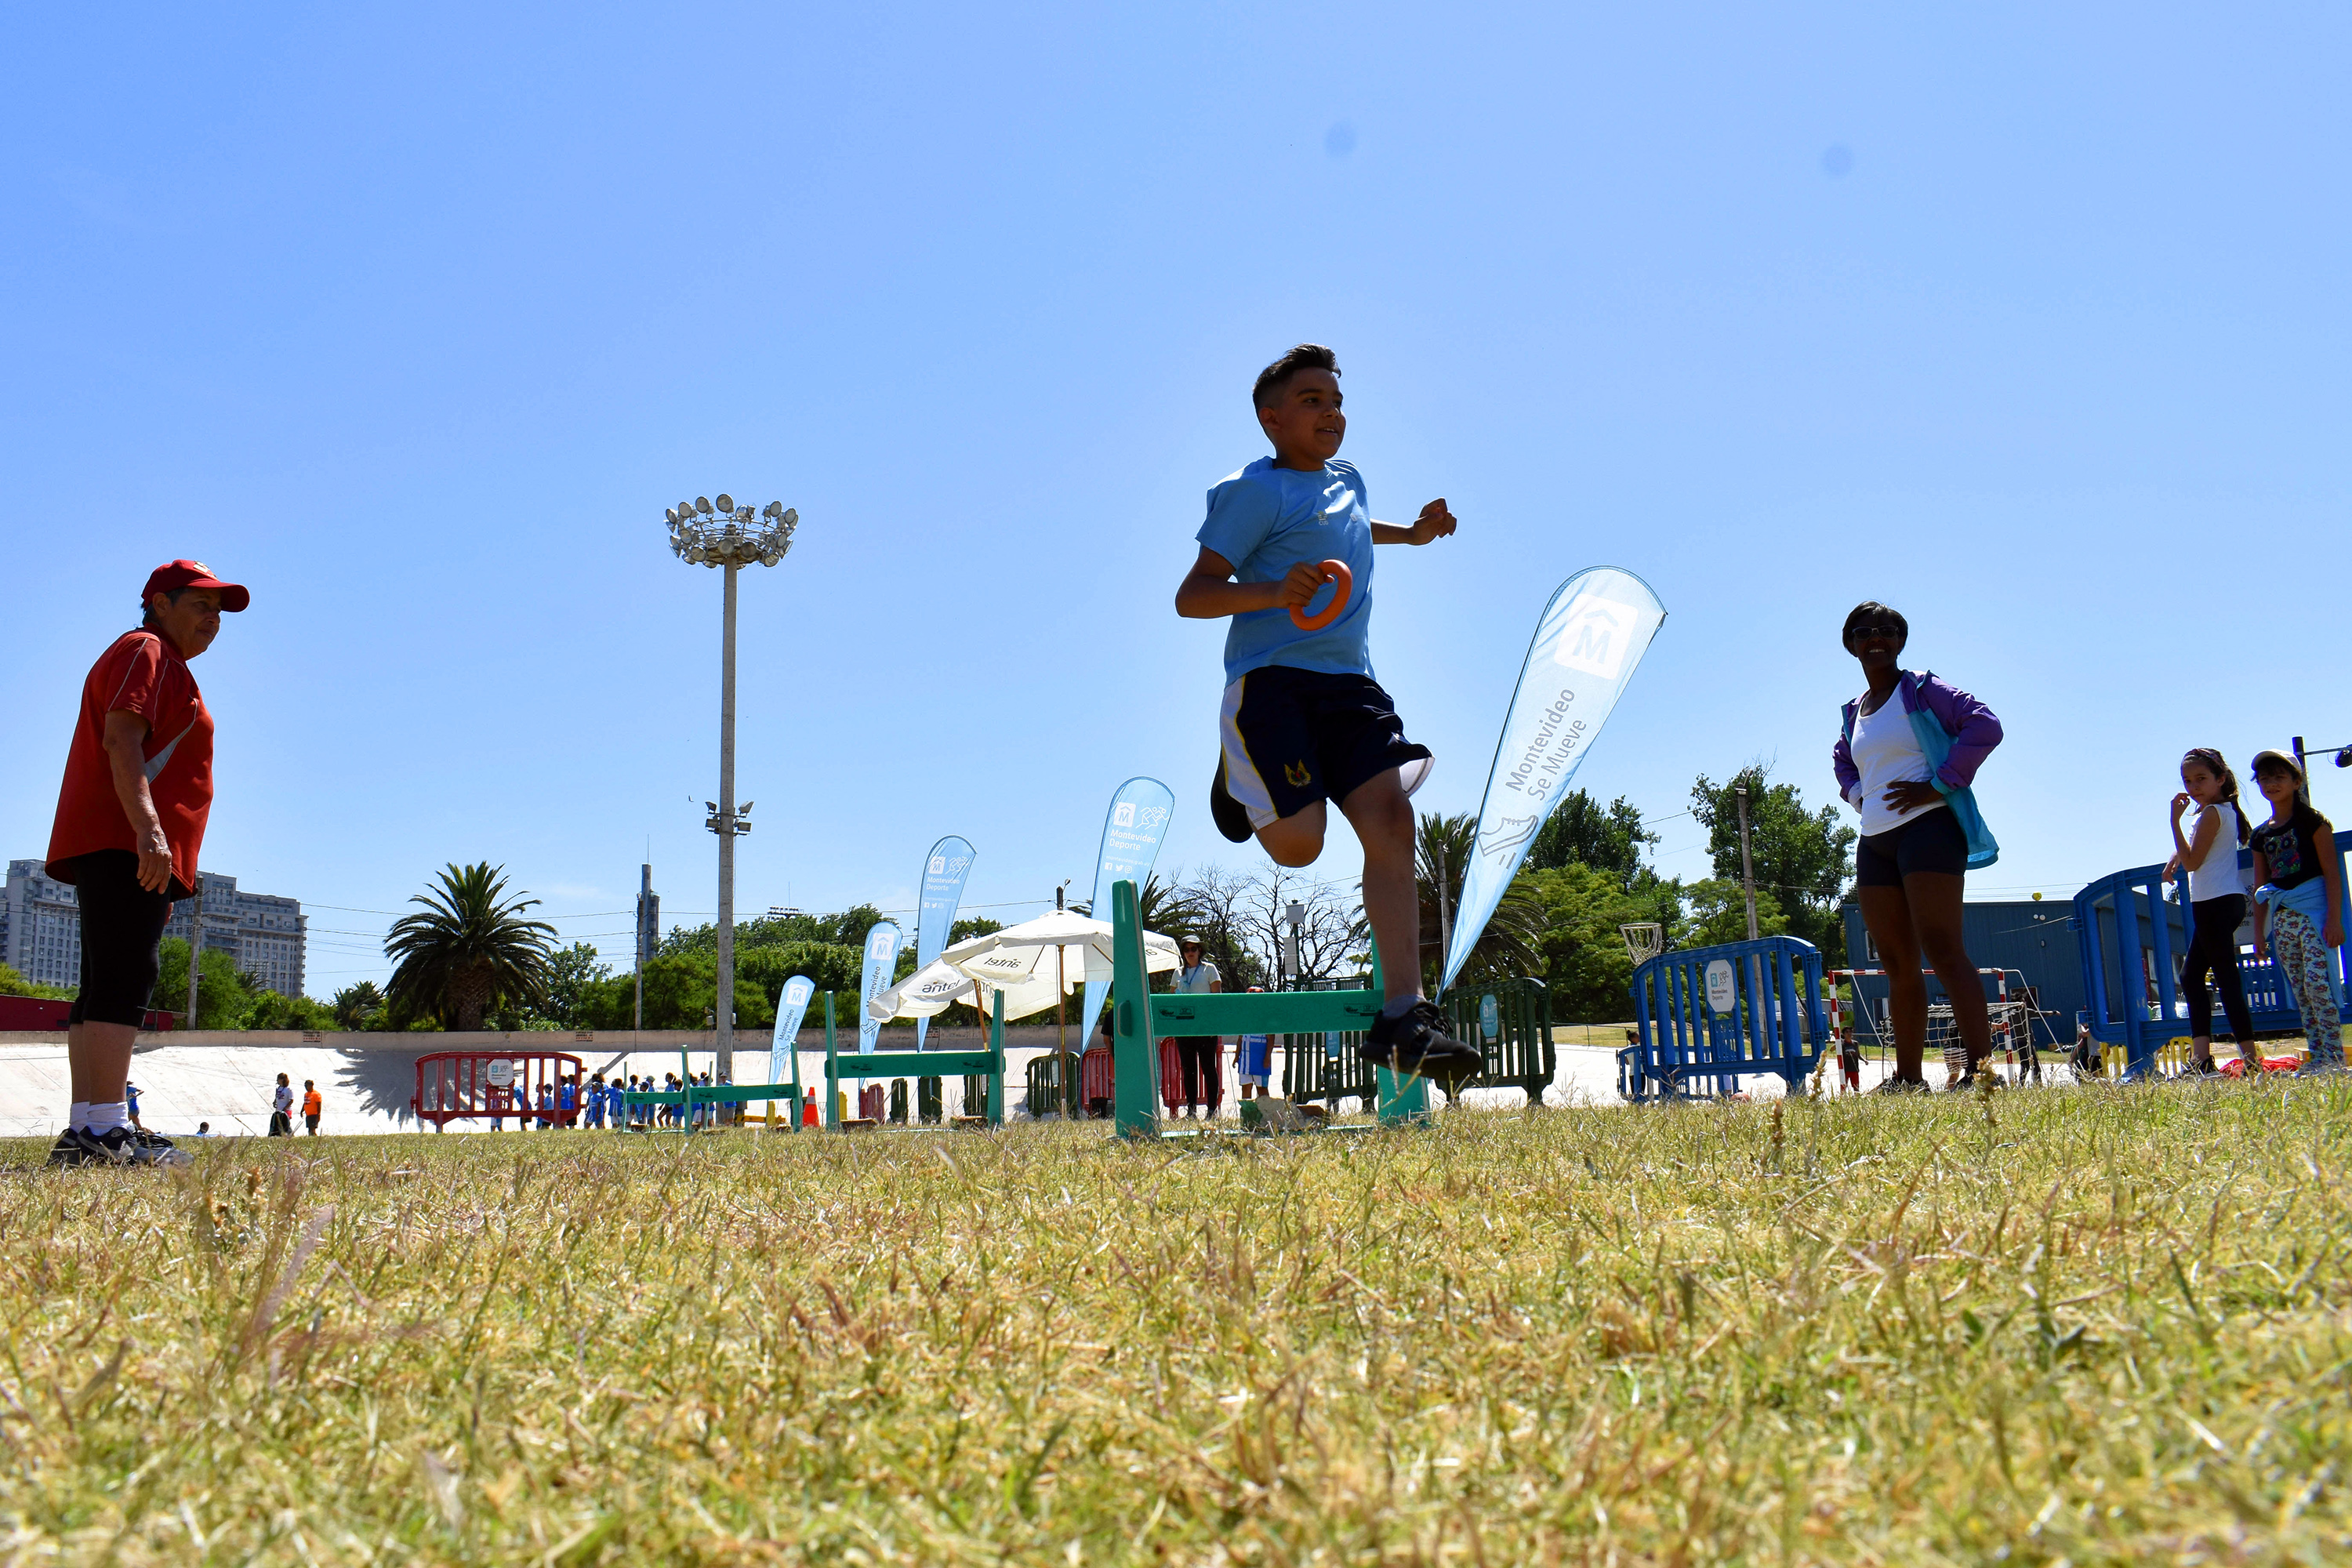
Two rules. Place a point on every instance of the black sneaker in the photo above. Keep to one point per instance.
(1904, 1086)
(68, 1150)
(1227, 813)
(1417, 1044)
(121, 1146)
(2201, 1067)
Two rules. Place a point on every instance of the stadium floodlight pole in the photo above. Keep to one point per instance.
(724, 535)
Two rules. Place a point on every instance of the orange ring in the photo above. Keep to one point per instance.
(1333, 571)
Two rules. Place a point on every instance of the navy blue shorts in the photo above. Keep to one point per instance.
(1293, 737)
(1931, 841)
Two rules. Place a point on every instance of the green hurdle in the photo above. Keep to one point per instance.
(861, 1066)
(1135, 1028)
(837, 1067)
(690, 1094)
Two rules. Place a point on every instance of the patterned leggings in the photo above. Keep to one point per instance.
(2304, 961)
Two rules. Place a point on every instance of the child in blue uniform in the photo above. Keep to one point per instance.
(1303, 721)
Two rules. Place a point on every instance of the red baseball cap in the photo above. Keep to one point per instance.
(173, 575)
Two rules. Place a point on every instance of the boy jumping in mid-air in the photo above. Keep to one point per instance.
(1304, 721)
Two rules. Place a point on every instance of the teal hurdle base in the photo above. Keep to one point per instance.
(1139, 1016)
(861, 1066)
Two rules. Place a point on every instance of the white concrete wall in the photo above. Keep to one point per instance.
(367, 1079)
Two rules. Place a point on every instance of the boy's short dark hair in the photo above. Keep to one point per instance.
(1275, 379)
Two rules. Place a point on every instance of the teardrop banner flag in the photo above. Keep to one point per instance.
(882, 940)
(944, 871)
(1592, 637)
(792, 1007)
(1138, 821)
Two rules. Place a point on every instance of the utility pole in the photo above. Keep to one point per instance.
(1063, 1075)
(1747, 866)
(196, 948)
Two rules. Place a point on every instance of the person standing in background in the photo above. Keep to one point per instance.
(312, 1106)
(1200, 1057)
(281, 1108)
(130, 822)
(2207, 851)
(1906, 754)
(2297, 906)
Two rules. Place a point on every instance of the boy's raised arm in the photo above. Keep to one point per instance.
(1434, 522)
(1209, 591)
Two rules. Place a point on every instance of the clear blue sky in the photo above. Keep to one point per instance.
(2030, 321)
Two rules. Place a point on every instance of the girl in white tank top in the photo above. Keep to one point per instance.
(2207, 850)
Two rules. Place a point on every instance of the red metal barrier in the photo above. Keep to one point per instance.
(454, 1086)
(39, 1013)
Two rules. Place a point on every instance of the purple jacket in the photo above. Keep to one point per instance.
(1970, 724)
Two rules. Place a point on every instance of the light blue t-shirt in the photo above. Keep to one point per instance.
(1266, 520)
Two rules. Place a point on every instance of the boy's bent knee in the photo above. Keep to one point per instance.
(1296, 840)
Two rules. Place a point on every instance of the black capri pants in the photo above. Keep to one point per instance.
(1200, 1061)
(122, 939)
(2213, 945)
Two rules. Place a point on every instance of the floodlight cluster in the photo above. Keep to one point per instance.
(708, 533)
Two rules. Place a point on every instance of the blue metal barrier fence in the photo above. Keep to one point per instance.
(1710, 1015)
(2132, 938)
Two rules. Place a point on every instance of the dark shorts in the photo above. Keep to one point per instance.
(1293, 737)
(122, 939)
(1931, 841)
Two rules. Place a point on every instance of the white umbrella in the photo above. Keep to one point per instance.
(1062, 948)
(930, 990)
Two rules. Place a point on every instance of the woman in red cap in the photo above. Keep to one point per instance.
(131, 817)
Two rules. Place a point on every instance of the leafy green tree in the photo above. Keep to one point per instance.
(470, 951)
(846, 928)
(568, 974)
(1584, 959)
(971, 926)
(1580, 831)
(1802, 858)
(223, 997)
(830, 964)
(679, 988)
(360, 1007)
(1718, 913)
(12, 984)
(271, 1011)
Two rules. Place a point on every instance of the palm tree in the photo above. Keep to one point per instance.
(471, 949)
(1170, 908)
(1511, 942)
(354, 1005)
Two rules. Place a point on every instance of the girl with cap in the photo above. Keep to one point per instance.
(2207, 851)
(2299, 900)
(1909, 749)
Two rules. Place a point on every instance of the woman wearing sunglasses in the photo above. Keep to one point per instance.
(1910, 747)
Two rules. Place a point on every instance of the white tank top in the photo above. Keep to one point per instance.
(2219, 877)
(1887, 751)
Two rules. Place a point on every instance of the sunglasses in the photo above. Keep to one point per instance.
(1893, 633)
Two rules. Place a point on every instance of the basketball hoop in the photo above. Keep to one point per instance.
(1644, 939)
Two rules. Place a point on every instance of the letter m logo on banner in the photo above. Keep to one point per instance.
(1594, 636)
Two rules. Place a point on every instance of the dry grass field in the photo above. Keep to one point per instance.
(2096, 1325)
